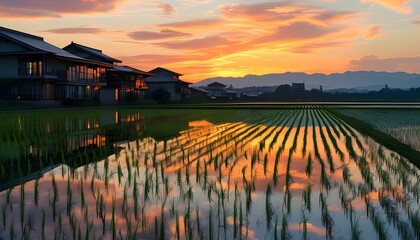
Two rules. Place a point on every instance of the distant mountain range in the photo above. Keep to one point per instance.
(343, 82)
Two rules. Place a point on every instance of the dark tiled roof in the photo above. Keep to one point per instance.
(161, 69)
(93, 51)
(39, 45)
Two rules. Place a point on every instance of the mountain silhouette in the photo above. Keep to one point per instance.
(360, 80)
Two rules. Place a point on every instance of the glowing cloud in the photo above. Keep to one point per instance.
(397, 64)
(395, 5)
(53, 8)
(76, 30)
(167, 9)
(163, 34)
(373, 32)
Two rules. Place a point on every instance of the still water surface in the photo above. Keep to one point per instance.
(214, 174)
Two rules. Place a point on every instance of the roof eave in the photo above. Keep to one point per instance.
(84, 61)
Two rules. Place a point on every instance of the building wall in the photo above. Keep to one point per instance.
(215, 92)
(8, 67)
(108, 95)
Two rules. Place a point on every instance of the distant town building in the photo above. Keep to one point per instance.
(215, 89)
(298, 87)
(169, 81)
(197, 92)
(218, 90)
(33, 69)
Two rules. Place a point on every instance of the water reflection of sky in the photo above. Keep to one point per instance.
(216, 171)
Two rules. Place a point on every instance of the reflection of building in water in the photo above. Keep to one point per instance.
(39, 141)
(85, 140)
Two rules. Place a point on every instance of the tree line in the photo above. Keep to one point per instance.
(286, 93)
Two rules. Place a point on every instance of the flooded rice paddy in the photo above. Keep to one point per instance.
(292, 173)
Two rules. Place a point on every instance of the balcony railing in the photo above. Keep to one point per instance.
(62, 76)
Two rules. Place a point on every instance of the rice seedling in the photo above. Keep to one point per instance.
(22, 206)
(269, 211)
(69, 197)
(326, 218)
(43, 225)
(284, 226)
(113, 223)
(135, 196)
(309, 167)
(307, 196)
(346, 174)
(4, 215)
(354, 226)
(304, 223)
(210, 224)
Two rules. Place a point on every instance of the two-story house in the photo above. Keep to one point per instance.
(36, 70)
(120, 79)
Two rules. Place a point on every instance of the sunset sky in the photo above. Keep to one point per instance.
(208, 38)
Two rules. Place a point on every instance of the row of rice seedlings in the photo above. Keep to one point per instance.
(393, 216)
(347, 137)
(364, 168)
(330, 122)
(243, 130)
(305, 132)
(339, 121)
(281, 115)
(377, 221)
(325, 182)
(325, 143)
(330, 134)
(284, 124)
(280, 150)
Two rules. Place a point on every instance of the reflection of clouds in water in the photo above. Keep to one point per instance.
(199, 169)
(320, 231)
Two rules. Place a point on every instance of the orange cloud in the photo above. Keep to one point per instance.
(52, 8)
(397, 64)
(200, 43)
(260, 11)
(167, 9)
(163, 34)
(299, 31)
(76, 30)
(194, 24)
(373, 32)
(394, 5)
(254, 31)
(15, 12)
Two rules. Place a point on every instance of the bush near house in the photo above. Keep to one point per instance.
(161, 96)
(130, 97)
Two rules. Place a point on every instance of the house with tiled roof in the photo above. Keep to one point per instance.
(121, 80)
(169, 81)
(33, 69)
